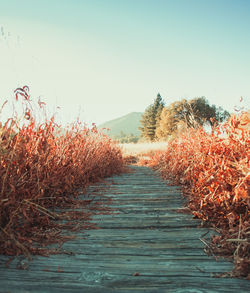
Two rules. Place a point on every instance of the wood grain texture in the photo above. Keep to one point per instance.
(144, 246)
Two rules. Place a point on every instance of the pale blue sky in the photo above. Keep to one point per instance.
(106, 58)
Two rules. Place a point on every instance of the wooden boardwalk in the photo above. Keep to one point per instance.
(147, 247)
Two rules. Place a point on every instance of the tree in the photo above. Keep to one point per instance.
(221, 115)
(193, 113)
(150, 118)
(126, 138)
(166, 125)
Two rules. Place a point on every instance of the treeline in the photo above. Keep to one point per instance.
(160, 122)
(126, 138)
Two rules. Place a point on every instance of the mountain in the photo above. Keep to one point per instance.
(126, 125)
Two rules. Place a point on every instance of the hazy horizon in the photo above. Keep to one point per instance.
(104, 59)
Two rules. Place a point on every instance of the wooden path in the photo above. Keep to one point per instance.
(147, 247)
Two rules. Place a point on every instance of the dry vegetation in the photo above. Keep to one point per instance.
(42, 171)
(214, 171)
(140, 152)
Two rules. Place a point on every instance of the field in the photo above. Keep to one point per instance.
(42, 170)
(141, 152)
(134, 149)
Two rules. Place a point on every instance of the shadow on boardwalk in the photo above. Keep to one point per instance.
(146, 246)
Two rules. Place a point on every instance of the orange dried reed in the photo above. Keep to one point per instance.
(42, 170)
(214, 170)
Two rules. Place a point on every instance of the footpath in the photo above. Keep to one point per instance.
(145, 245)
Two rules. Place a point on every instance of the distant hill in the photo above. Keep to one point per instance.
(127, 124)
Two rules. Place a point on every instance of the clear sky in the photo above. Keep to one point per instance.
(105, 58)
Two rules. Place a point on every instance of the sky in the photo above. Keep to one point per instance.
(102, 59)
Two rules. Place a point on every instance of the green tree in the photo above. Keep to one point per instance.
(193, 113)
(151, 118)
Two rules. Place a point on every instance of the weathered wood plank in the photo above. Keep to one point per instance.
(144, 246)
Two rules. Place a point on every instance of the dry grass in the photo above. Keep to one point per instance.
(140, 153)
(41, 175)
(214, 171)
(136, 149)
